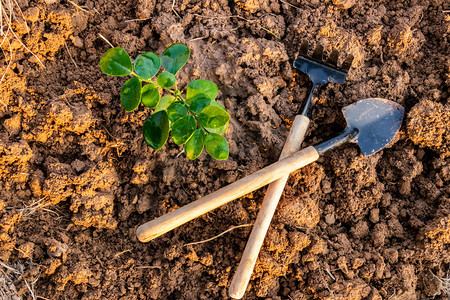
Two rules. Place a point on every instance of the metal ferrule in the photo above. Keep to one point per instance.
(349, 134)
(311, 101)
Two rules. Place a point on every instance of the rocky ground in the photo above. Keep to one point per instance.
(77, 178)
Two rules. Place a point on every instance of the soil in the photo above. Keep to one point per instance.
(77, 178)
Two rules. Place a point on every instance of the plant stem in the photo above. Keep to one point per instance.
(169, 90)
(181, 98)
(136, 75)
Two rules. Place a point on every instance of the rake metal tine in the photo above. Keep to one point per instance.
(333, 58)
(347, 63)
(318, 53)
(304, 48)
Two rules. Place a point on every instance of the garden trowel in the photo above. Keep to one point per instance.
(371, 124)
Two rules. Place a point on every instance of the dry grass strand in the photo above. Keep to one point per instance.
(219, 235)
(106, 40)
(445, 284)
(70, 55)
(79, 7)
(7, 15)
(7, 288)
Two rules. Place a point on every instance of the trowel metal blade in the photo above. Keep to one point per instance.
(377, 120)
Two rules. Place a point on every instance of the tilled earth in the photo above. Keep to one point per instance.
(77, 178)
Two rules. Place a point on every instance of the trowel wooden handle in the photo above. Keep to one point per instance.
(268, 207)
(163, 224)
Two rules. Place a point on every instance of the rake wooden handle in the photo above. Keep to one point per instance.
(150, 230)
(268, 207)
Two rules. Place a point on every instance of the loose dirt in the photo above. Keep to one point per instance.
(77, 178)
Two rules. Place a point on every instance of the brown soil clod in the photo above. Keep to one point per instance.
(428, 126)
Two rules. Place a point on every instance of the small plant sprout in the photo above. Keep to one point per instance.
(195, 119)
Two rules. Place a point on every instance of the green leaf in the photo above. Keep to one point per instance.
(175, 57)
(166, 79)
(147, 65)
(215, 103)
(217, 146)
(116, 62)
(213, 117)
(182, 129)
(194, 146)
(150, 95)
(201, 86)
(156, 129)
(199, 102)
(130, 95)
(176, 110)
(164, 102)
(222, 129)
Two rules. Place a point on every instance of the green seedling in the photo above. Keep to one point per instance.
(195, 119)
